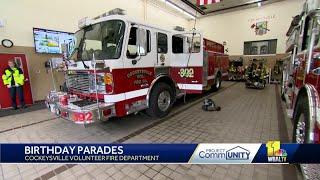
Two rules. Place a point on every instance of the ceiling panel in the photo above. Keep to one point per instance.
(226, 5)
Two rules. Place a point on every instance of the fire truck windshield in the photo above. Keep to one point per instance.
(103, 40)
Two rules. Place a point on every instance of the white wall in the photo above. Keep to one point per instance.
(21, 16)
(235, 27)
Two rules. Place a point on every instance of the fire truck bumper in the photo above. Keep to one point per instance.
(72, 108)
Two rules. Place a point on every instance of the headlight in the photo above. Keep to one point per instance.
(100, 86)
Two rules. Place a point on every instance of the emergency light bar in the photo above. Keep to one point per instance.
(116, 11)
(178, 28)
(87, 21)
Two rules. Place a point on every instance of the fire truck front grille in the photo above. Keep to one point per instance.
(79, 82)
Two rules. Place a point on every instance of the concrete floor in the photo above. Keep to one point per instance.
(247, 116)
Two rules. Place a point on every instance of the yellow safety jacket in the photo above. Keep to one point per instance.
(11, 76)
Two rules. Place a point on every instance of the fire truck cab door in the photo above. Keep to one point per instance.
(139, 60)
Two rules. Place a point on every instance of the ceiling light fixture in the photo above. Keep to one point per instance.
(189, 15)
(179, 9)
(174, 6)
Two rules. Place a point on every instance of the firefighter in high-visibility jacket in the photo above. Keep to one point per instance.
(13, 78)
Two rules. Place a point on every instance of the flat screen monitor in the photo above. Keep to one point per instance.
(50, 41)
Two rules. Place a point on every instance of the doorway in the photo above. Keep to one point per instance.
(21, 62)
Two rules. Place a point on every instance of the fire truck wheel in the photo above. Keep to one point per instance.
(161, 100)
(301, 122)
(217, 83)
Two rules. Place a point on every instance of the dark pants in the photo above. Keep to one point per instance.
(13, 94)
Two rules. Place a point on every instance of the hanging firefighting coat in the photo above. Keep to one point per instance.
(13, 77)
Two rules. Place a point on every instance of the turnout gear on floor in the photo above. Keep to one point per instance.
(13, 77)
(209, 105)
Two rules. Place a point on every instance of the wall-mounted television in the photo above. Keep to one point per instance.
(50, 41)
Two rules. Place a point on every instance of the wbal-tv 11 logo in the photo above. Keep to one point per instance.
(275, 153)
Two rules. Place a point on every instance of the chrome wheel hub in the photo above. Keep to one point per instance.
(164, 100)
(310, 171)
(301, 130)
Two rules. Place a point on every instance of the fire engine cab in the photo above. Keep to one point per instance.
(301, 78)
(120, 66)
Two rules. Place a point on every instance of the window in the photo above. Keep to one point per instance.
(103, 40)
(148, 41)
(307, 33)
(264, 49)
(162, 44)
(139, 42)
(196, 40)
(186, 43)
(260, 47)
(177, 44)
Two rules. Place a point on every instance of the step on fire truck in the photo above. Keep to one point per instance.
(301, 78)
(120, 66)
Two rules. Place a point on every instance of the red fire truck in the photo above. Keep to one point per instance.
(120, 66)
(301, 78)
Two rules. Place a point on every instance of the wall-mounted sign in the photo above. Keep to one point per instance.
(260, 28)
(264, 18)
(260, 24)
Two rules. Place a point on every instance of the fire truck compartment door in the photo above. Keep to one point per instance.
(187, 61)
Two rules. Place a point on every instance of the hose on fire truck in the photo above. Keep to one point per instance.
(190, 52)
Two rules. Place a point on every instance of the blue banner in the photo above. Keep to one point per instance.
(96, 153)
(271, 152)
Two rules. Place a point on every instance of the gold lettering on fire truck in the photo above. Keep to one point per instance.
(139, 76)
(186, 72)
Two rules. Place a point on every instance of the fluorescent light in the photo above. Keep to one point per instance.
(189, 15)
(174, 6)
(179, 9)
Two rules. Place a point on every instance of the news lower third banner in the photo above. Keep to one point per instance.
(271, 152)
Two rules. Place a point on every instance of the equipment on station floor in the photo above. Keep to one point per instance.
(209, 105)
(236, 71)
(277, 72)
(256, 75)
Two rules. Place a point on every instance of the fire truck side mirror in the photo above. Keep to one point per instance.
(65, 50)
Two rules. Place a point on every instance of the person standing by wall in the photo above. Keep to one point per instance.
(13, 78)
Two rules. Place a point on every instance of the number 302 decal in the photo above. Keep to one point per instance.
(186, 72)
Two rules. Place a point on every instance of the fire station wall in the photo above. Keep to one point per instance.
(21, 16)
(235, 27)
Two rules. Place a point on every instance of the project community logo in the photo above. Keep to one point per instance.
(236, 153)
(275, 153)
(224, 153)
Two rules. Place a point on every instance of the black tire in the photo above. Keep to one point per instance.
(217, 83)
(301, 115)
(302, 111)
(154, 110)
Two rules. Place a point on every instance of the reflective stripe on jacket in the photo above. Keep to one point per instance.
(16, 73)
